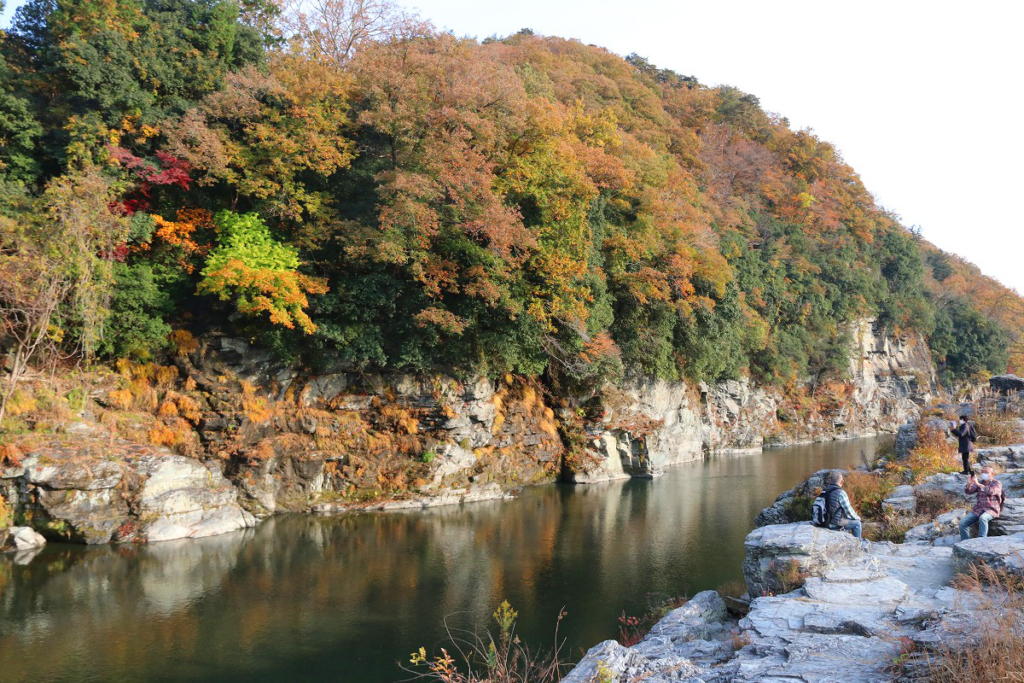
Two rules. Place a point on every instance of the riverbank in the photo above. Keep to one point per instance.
(826, 608)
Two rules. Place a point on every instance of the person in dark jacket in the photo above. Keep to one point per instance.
(965, 434)
(839, 511)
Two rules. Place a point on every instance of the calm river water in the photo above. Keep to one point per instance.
(323, 599)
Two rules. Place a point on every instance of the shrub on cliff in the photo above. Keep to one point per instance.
(5, 514)
(798, 508)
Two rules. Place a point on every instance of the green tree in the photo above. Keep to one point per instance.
(258, 273)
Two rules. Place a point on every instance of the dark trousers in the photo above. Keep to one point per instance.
(967, 462)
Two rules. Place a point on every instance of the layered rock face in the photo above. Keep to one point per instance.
(92, 491)
(649, 426)
(645, 426)
(272, 439)
(343, 440)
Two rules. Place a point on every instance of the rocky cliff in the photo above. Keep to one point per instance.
(481, 437)
(648, 426)
(255, 437)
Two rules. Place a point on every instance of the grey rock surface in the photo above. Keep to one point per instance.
(1010, 520)
(182, 498)
(843, 625)
(610, 662)
(1004, 553)
(148, 494)
(680, 647)
(1002, 456)
(774, 551)
(1006, 384)
(901, 499)
(941, 527)
(22, 538)
(889, 378)
(906, 439)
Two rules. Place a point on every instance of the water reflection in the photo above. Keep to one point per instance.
(343, 599)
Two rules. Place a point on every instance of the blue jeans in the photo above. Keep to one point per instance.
(970, 519)
(853, 526)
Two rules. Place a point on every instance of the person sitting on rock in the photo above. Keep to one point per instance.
(966, 435)
(837, 505)
(987, 506)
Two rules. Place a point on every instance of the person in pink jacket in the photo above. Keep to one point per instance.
(987, 506)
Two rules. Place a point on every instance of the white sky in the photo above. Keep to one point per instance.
(922, 98)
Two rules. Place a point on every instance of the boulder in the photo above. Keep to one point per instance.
(1010, 520)
(949, 485)
(181, 498)
(698, 632)
(1002, 456)
(84, 494)
(682, 647)
(1004, 553)
(85, 516)
(610, 662)
(67, 474)
(22, 538)
(901, 499)
(930, 533)
(778, 553)
(1006, 384)
(906, 439)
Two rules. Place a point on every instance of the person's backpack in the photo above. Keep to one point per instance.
(819, 511)
(972, 433)
(826, 507)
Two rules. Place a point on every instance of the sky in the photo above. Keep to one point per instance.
(922, 99)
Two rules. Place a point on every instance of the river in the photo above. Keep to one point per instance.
(325, 599)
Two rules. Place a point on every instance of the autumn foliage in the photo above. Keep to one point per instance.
(350, 185)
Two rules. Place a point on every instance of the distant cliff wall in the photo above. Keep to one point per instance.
(889, 378)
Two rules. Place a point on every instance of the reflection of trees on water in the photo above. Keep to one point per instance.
(313, 592)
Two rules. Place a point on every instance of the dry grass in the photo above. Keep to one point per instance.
(183, 342)
(893, 526)
(931, 504)
(5, 513)
(788, 576)
(42, 404)
(490, 657)
(738, 640)
(992, 650)
(999, 428)
(733, 588)
(10, 455)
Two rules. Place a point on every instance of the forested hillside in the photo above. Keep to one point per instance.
(362, 191)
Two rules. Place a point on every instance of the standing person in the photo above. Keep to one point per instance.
(839, 513)
(966, 435)
(987, 507)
